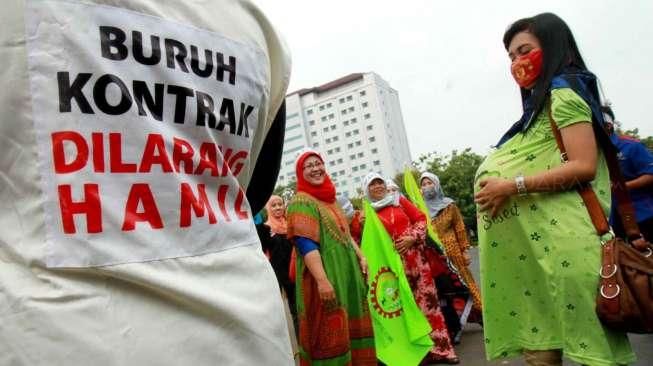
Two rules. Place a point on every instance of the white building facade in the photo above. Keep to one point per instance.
(355, 122)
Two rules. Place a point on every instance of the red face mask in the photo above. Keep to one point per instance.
(526, 68)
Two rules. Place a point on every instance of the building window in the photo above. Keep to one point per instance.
(330, 151)
(328, 141)
(348, 134)
(342, 172)
(353, 120)
(332, 163)
(337, 149)
(360, 154)
(342, 100)
(352, 157)
(364, 104)
(355, 132)
(322, 107)
(325, 129)
(316, 144)
(364, 166)
(288, 128)
(362, 93)
(309, 112)
(346, 123)
(335, 138)
(329, 105)
(314, 134)
(358, 143)
(350, 146)
(355, 169)
(340, 161)
(367, 116)
(357, 179)
(323, 119)
(331, 116)
(375, 150)
(292, 150)
(343, 112)
(350, 98)
(377, 162)
(333, 127)
(372, 139)
(350, 109)
(311, 123)
(369, 128)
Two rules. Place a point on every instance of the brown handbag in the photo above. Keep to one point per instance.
(625, 298)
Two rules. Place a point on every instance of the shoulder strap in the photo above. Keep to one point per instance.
(624, 204)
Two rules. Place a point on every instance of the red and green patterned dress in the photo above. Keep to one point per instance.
(330, 336)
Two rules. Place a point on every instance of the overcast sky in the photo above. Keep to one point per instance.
(447, 61)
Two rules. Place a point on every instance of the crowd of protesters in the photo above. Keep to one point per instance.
(528, 306)
(130, 287)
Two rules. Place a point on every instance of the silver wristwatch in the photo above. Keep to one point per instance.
(521, 185)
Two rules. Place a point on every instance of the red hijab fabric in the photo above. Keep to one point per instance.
(326, 191)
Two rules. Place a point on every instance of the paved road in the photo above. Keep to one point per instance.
(472, 353)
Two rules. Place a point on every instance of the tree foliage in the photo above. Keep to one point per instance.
(286, 191)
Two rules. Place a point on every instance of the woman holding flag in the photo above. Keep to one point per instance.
(335, 327)
(406, 225)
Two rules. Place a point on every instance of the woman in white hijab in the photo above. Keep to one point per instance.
(406, 225)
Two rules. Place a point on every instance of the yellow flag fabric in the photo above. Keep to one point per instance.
(401, 331)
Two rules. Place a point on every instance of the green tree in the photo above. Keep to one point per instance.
(283, 190)
(648, 142)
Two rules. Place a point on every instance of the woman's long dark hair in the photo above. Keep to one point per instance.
(559, 51)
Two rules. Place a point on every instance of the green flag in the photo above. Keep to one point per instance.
(415, 196)
(401, 331)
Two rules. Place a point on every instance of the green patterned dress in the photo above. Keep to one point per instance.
(330, 336)
(540, 256)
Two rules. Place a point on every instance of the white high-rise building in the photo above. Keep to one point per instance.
(355, 122)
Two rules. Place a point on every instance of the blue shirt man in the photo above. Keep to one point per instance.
(636, 163)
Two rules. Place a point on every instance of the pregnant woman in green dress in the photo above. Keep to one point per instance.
(539, 251)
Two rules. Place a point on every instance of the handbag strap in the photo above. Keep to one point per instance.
(591, 201)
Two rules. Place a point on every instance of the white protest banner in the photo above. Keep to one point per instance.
(143, 126)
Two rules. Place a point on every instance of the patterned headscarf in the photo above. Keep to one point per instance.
(434, 197)
(277, 225)
(390, 199)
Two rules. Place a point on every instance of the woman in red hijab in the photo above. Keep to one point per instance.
(334, 320)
